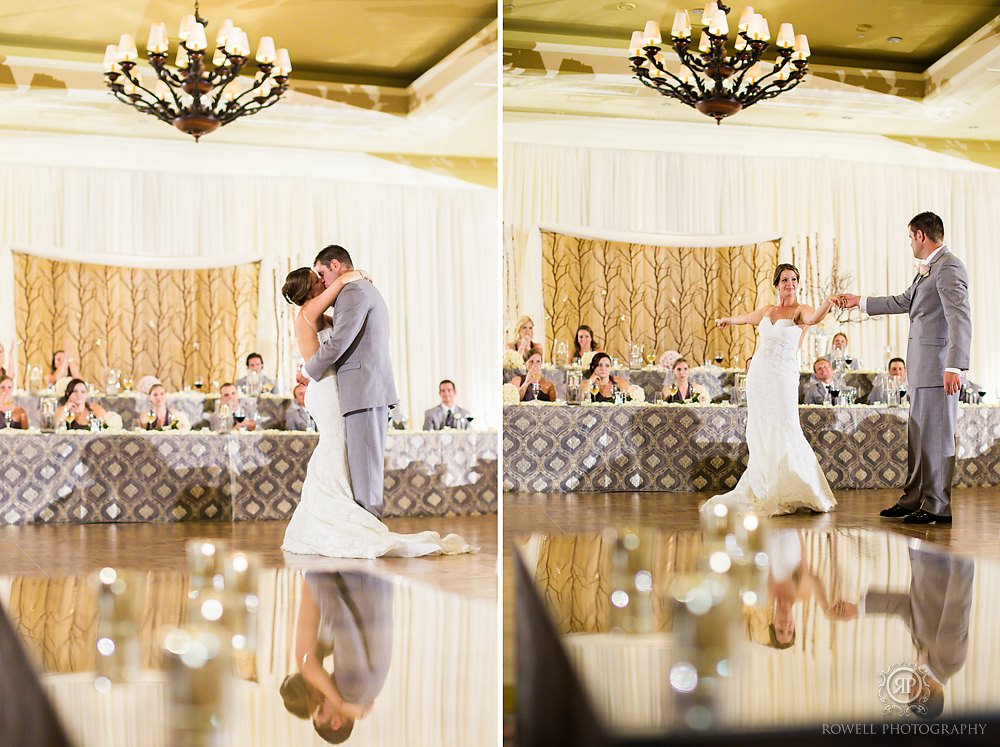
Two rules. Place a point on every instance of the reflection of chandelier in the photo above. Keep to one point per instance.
(716, 84)
(194, 98)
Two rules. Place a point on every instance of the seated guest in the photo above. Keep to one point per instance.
(158, 416)
(255, 362)
(229, 397)
(583, 342)
(820, 383)
(523, 342)
(297, 417)
(447, 414)
(680, 389)
(838, 350)
(602, 385)
(62, 365)
(532, 386)
(76, 410)
(11, 416)
(880, 389)
(3, 361)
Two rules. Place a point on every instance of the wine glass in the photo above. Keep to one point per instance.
(982, 394)
(718, 359)
(198, 384)
(150, 420)
(902, 392)
(127, 383)
(849, 359)
(834, 394)
(673, 389)
(239, 414)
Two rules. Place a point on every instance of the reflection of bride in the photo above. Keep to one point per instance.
(327, 520)
(782, 474)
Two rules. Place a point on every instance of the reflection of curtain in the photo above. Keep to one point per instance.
(176, 324)
(666, 297)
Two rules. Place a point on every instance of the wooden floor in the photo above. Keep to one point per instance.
(58, 549)
(975, 531)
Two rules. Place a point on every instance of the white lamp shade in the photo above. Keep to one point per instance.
(635, 44)
(765, 29)
(157, 41)
(283, 64)
(111, 58)
(786, 36)
(126, 48)
(224, 31)
(801, 47)
(682, 25)
(196, 40)
(651, 34)
(709, 13)
(219, 58)
(182, 57)
(187, 24)
(233, 42)
(745, 18)
(756, 29)
(706, 43)
(720, 24)
(265, 50)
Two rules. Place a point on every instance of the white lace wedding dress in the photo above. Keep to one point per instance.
(783, 474)
(327, 521)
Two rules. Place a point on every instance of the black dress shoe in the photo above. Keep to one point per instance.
(923, 517)
(895, 512)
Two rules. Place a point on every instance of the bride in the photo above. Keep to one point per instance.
(327, 521)
(782, 474)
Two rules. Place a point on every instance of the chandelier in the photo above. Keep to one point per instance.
(193, 97)
(716, 83)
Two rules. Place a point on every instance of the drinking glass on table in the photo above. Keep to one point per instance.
(239, 415)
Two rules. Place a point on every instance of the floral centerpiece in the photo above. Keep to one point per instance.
(636, 393)
(510, 394)
(179, 421)
(512, 359)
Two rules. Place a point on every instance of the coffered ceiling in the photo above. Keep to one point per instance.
(905, 68)
(392, 76)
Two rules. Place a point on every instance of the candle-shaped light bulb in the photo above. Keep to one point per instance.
(709, 13)
(111, 58)
(786, 36)
(126, 48)
(283, 63)
(719, 25)
(224, 31)
(651, 34)
(187, 24)
(265, 50)
(196, 40)
(745, 18)
(682, 25)
(802, 47)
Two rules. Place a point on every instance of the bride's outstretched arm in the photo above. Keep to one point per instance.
(313, 309)
(810, 316)
(753, 317)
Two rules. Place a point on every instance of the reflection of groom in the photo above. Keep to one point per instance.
(358, 349)
(937, 353)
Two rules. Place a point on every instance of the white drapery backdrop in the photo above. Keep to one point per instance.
(430, 241)
(857, 192)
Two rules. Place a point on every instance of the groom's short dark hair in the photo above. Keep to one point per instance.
(895, 360)
(930, 224)
(334, 252)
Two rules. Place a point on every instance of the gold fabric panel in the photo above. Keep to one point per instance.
(174, 324)
(664, 297)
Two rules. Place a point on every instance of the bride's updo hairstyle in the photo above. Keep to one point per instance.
(777, 273)
(298, 285)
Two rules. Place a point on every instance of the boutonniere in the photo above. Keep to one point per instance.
(923, 269)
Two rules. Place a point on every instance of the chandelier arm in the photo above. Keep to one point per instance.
(226, 118)
(141, 105)
(165, 74)
(774, 90)
(135, 82)
(257, 84)
(664, 70)
(222, 84)
(774, 71)
(664, 87)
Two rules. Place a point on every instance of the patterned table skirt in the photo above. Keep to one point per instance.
(683, 448)
(84, 477)
(718, 381)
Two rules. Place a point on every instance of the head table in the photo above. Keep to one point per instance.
(83, 477)
(555, 447)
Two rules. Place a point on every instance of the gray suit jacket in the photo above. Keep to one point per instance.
(940, 320)
(434, 417)
(936, 609)
(358, 349)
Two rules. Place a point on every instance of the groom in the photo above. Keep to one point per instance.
(358, 349)
(937, 353)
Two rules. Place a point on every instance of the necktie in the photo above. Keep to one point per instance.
(449, 421)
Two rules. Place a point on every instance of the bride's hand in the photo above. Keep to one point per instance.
(352, 275)
(367, 276)
(723, 322)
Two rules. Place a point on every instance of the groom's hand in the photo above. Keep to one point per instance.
(952, 382)
(848, 301)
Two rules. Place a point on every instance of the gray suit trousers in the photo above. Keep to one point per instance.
(365, 430)
(930, 435)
